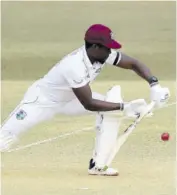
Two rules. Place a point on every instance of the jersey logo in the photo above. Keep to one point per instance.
(21, 115)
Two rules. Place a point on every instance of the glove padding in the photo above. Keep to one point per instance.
(134, 108)
(160, 95)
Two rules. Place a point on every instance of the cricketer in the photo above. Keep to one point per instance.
(65, 89)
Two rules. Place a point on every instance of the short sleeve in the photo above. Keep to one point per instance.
(75, 79)
(114, 58)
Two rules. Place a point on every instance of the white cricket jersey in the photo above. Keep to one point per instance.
(73, 71)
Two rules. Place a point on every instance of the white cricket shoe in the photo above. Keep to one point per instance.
(106, 171)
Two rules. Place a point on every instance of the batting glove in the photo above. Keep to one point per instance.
(159, 94)
(134, 108)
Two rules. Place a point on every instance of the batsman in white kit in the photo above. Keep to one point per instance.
(65, 89)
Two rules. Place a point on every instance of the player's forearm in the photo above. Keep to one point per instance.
(143, 71)
(98, 105)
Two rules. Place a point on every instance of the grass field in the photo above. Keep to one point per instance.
(146, 164)
(37, 34)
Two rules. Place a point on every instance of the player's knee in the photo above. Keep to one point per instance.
(98, 96)
(114, 94)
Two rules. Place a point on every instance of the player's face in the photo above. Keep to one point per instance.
(102, 53)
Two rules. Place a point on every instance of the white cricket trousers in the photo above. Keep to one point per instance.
(36, 108)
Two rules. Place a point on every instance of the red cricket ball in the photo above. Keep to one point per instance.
(165, 136)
